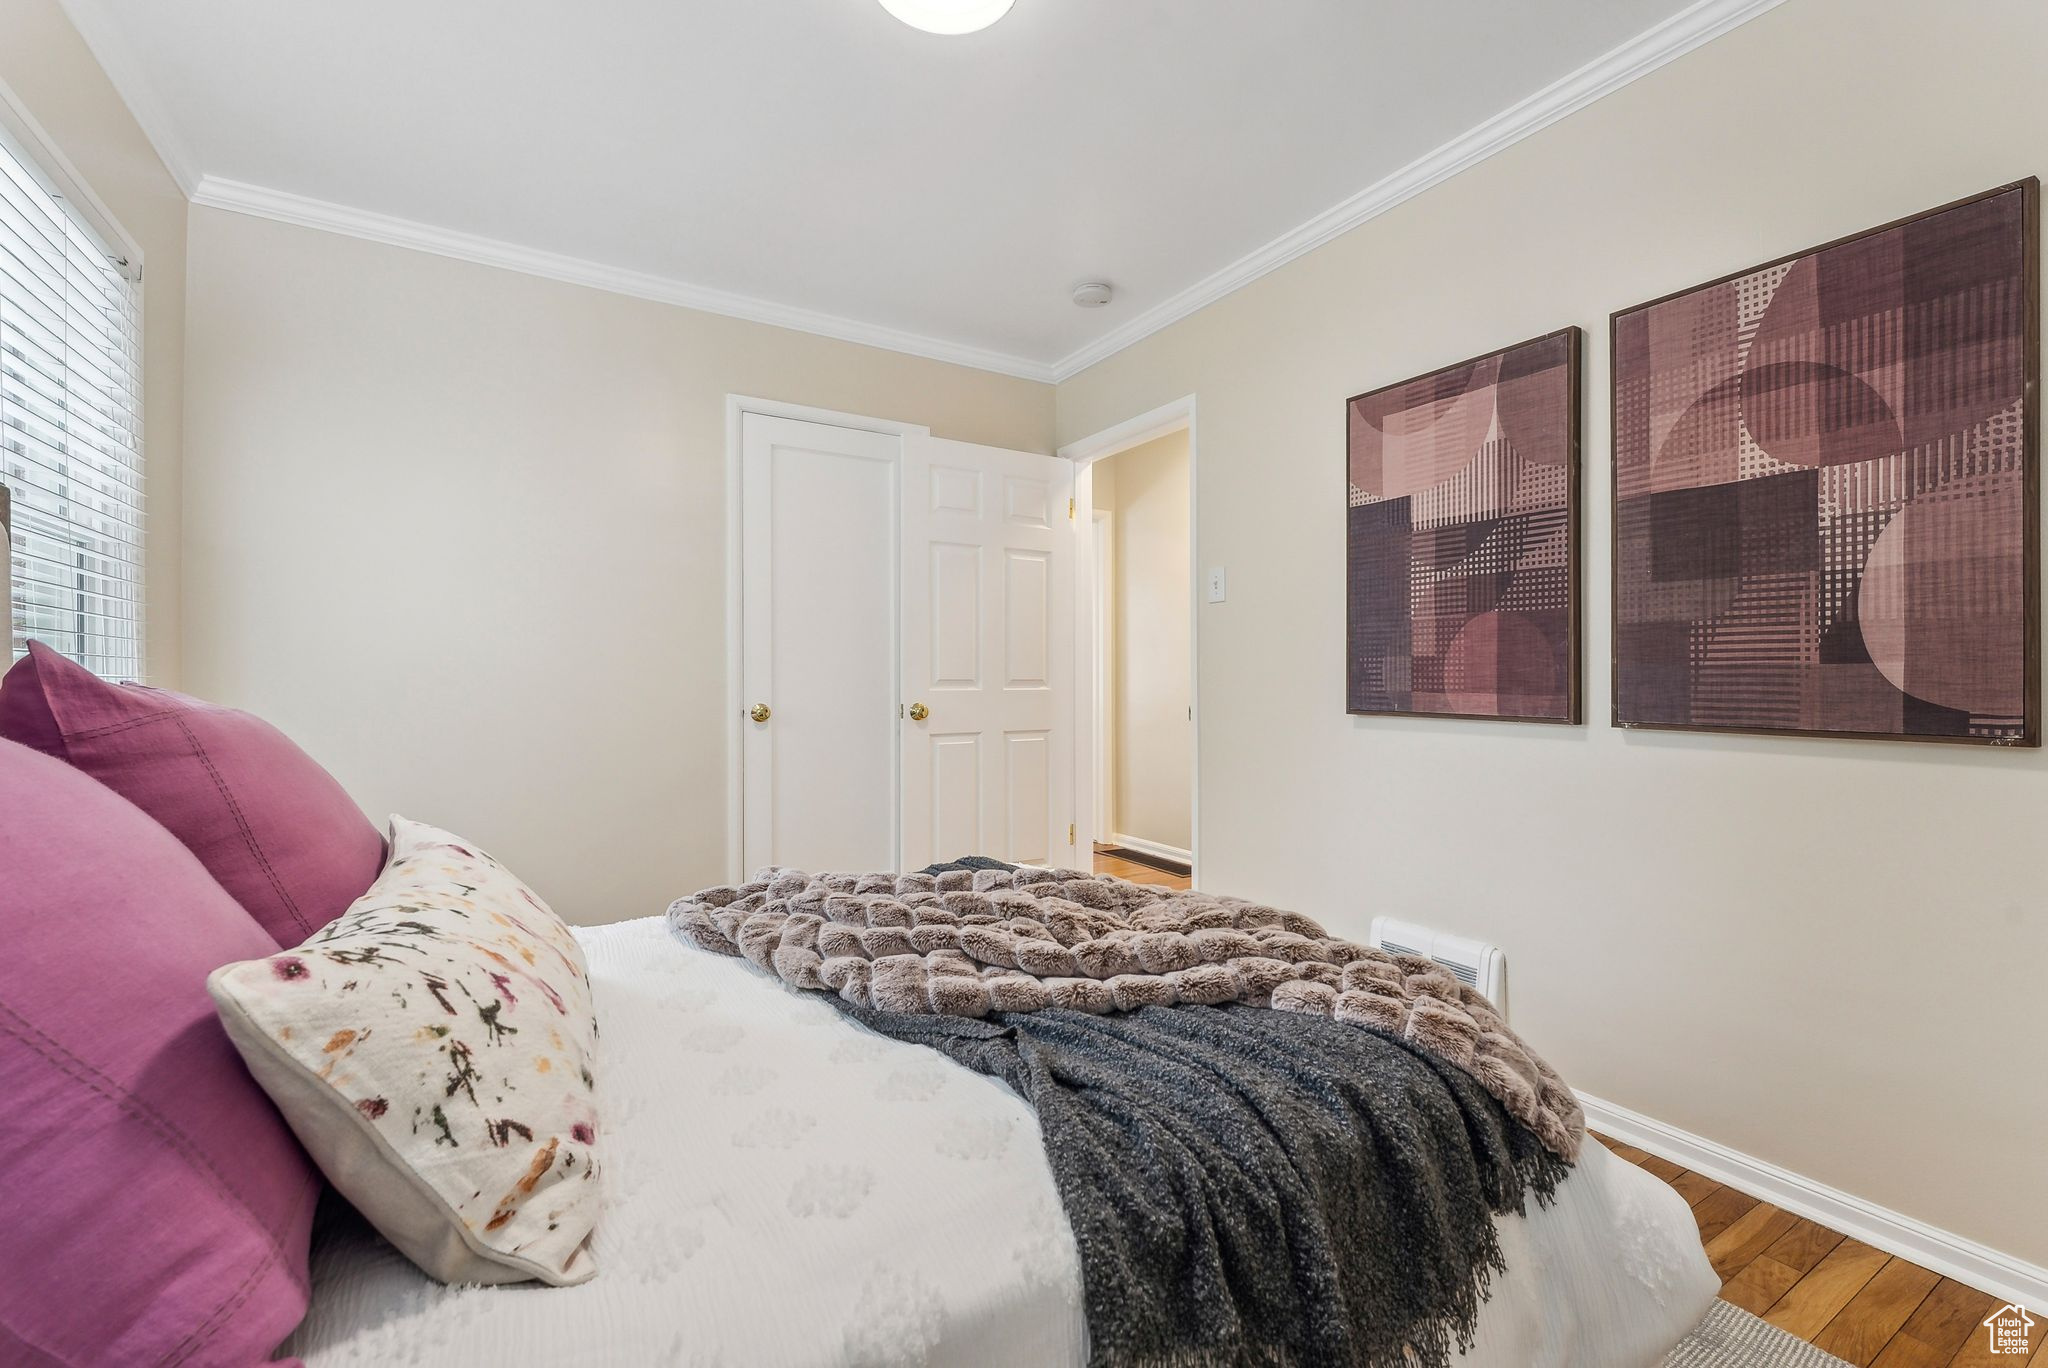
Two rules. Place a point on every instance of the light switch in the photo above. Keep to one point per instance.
(1216, 584)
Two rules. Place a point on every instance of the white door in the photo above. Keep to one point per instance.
(818, 633)
(988, 624)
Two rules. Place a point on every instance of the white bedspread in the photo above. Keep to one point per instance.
(790, 1190)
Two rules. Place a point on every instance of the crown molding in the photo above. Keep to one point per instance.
(110, 49)
(1673, 38)
(1639, 56)
(241, 198)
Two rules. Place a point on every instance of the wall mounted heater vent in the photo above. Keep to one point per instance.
(1471, 962)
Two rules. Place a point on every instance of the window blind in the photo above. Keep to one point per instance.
(70, 425)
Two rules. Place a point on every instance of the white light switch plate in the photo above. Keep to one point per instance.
(1216, 585)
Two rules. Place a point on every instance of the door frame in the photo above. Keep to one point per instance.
(1168, 418)
(737, 407)
(1101, 538)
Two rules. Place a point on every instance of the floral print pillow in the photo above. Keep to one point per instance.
(434, 1050)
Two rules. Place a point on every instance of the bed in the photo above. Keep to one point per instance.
(790, 1190)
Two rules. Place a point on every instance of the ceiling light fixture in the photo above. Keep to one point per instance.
(949, 17)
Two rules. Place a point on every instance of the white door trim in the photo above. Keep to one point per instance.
(737, 406)
(1146, 427)
(1102, 543)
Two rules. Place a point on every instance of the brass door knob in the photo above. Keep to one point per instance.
(919, 712)
(759, 712)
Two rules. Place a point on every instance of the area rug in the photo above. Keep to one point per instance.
(1730, 1337)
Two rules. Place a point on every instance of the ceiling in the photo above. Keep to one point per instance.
(824, 162)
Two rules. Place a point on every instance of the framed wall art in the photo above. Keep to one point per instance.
(1826, 488)
(1462, 488)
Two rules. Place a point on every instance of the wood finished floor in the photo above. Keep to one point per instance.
(1137, 873)
(1856, 1302)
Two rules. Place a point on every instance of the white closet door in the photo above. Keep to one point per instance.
(988, 624)
(819, 538)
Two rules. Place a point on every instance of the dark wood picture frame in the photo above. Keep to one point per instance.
(2029, 189)
(1574, 483)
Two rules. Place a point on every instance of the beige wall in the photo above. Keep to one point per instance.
(462, 533)
(54, 74)
(1151, 749)
(1827, 954)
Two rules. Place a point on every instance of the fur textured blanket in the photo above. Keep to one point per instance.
(971, 943)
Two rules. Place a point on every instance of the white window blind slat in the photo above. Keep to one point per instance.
(43, 559)
(29, 236)
(52, 562)
(70, 427)
(48, 328)
(68, 500)
(66, 436)
(61, 402)
(45, 324)
(60, 399)
(33, 274)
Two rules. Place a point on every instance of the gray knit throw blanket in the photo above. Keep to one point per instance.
(1258, 1189)
(971, 943)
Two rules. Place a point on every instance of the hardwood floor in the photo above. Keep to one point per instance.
(1858, 1303)
(1137, 873)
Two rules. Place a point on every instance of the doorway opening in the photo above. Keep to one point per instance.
(1136, 618)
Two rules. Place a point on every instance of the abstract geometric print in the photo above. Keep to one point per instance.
(1463, 573)
(1825, 489)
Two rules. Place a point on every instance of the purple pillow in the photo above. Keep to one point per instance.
(273, 827)
(154, 1207)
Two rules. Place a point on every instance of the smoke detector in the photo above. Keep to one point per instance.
(1093, 295)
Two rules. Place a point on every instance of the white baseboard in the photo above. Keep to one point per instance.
(1970, 1263)
(1164, 852)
